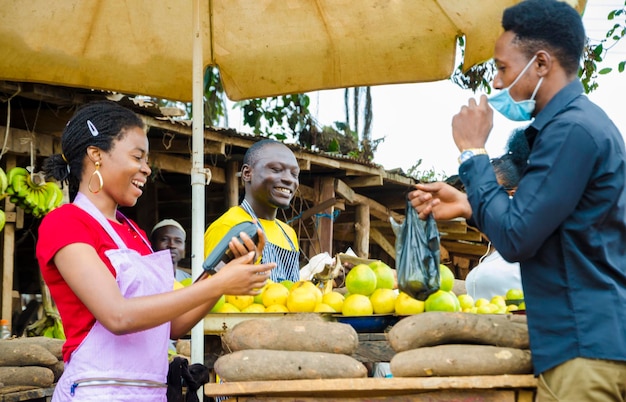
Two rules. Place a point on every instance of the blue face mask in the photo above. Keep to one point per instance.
(511, 109)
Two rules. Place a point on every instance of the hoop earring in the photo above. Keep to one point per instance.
(97, 174)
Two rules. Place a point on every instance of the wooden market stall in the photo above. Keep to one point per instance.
(505, 388)
(342, 202)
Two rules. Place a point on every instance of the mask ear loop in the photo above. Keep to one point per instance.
(536, 88)
(521, 74)
(480, 260)
(100, 180)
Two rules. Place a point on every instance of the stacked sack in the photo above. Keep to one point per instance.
(291, 348)
(460, 344)
(30, 362)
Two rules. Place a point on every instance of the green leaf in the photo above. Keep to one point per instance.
(605, 70)
(598, 50)
(333, 146)
(620, 66)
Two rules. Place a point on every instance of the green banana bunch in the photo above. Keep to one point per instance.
(36, 197)
(4, 182)
(49, 324)
(17, 181)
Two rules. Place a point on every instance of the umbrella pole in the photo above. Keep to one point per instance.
(199, 178)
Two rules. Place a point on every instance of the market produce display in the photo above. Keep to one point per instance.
(437, 328)
(292, 334)
(458, 343)
(273, 365)
(461, 360)
(28, 362)
(290, 348)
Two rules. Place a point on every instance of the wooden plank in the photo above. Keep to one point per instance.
(362, 231)
(344, 191)
(17, 394)
(420, 396)
(374, 351)
(458, 247)
(183, 166)
(382, 241)
(452, 226)
(378, 210)
(325, 226)
(8, 251)
(370, 387)
(471, 235)
(232, 182)
(316, 209)
(364, 181)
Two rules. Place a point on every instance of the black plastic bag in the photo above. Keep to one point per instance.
(180, 374)
(417, 254)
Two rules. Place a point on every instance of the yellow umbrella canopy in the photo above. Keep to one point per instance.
(262, 47)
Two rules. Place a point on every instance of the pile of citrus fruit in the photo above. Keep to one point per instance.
(371, 289)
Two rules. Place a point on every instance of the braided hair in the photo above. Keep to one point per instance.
(96, 124)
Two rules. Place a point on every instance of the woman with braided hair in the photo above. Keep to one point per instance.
(114, 294)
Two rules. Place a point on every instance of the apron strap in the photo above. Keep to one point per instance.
(83, 202)
(246, 207)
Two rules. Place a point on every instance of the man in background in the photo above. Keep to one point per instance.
(170, 235)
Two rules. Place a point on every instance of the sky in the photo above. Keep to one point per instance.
(415, 119)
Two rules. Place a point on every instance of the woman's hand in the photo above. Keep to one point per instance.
(441, 199)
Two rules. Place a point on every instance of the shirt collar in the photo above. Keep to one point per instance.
(566, 95)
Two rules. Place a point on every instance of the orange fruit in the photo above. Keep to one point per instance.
(302, 300)
(276, 308)
(334, 299)
(358, 305)
(446, 278)
(254, 308)
(227, 308)
(218, 304)
(406, 305)
(274, 293)
(442, 301)
(308, 285)
(240, 301)
(361, 280)
(385, 277)
(383, 301)
(323, 308)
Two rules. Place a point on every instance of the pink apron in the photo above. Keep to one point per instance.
(132, 367)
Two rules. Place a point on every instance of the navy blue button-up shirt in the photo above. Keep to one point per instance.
(566, 225)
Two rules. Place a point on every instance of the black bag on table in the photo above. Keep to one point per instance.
(417, 254)
(182, 374)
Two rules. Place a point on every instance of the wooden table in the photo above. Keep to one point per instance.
(503, 388)
(17, 394)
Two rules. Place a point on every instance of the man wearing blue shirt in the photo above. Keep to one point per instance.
(566, 224)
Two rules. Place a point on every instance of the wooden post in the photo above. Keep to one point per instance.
(232, 183)
(362, 231)
(326, 190)
(8, 252)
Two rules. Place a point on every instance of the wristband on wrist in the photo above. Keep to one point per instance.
(469, 153)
